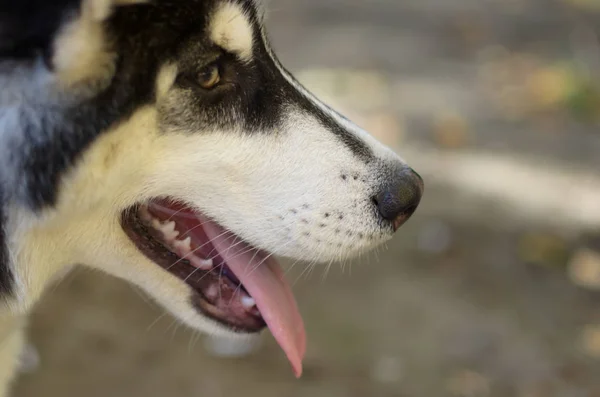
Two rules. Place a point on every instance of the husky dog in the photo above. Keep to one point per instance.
(163, 142)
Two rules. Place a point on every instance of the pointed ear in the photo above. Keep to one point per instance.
(81, 54)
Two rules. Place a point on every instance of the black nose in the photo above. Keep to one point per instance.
(399, 197)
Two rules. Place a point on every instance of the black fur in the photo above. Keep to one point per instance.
(28, 26)
(6, 276)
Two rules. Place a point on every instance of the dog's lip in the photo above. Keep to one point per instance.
(258, 272)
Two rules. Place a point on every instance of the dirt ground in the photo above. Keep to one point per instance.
(476, 296)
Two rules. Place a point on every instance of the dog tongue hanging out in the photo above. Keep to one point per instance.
(236, 284)
(163, 143)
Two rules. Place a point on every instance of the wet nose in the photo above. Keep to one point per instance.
(399, 197)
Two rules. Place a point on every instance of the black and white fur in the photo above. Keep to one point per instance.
(99, 111)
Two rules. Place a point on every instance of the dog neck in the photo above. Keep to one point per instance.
(43, 245)
(39, 255)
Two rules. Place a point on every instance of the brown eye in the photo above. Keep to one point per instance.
(209, 77)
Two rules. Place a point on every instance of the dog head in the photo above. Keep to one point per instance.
(172, 149)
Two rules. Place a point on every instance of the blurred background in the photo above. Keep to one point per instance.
(491, 289)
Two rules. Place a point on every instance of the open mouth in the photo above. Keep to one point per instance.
(235, 284)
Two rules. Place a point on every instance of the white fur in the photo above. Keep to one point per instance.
(11, 346)
(231, 30)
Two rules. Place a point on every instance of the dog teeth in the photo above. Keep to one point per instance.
(184, 246)
(187, 243)
(248, 302)
(169, 232)
(156, 224)
(202, 264)
(212, 292)
(169, 226)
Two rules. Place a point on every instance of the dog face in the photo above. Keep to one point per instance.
(178, 154)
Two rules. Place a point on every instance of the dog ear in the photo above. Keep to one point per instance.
(99, 10)
(82, 57)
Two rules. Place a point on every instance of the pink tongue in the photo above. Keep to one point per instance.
(263, 278)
